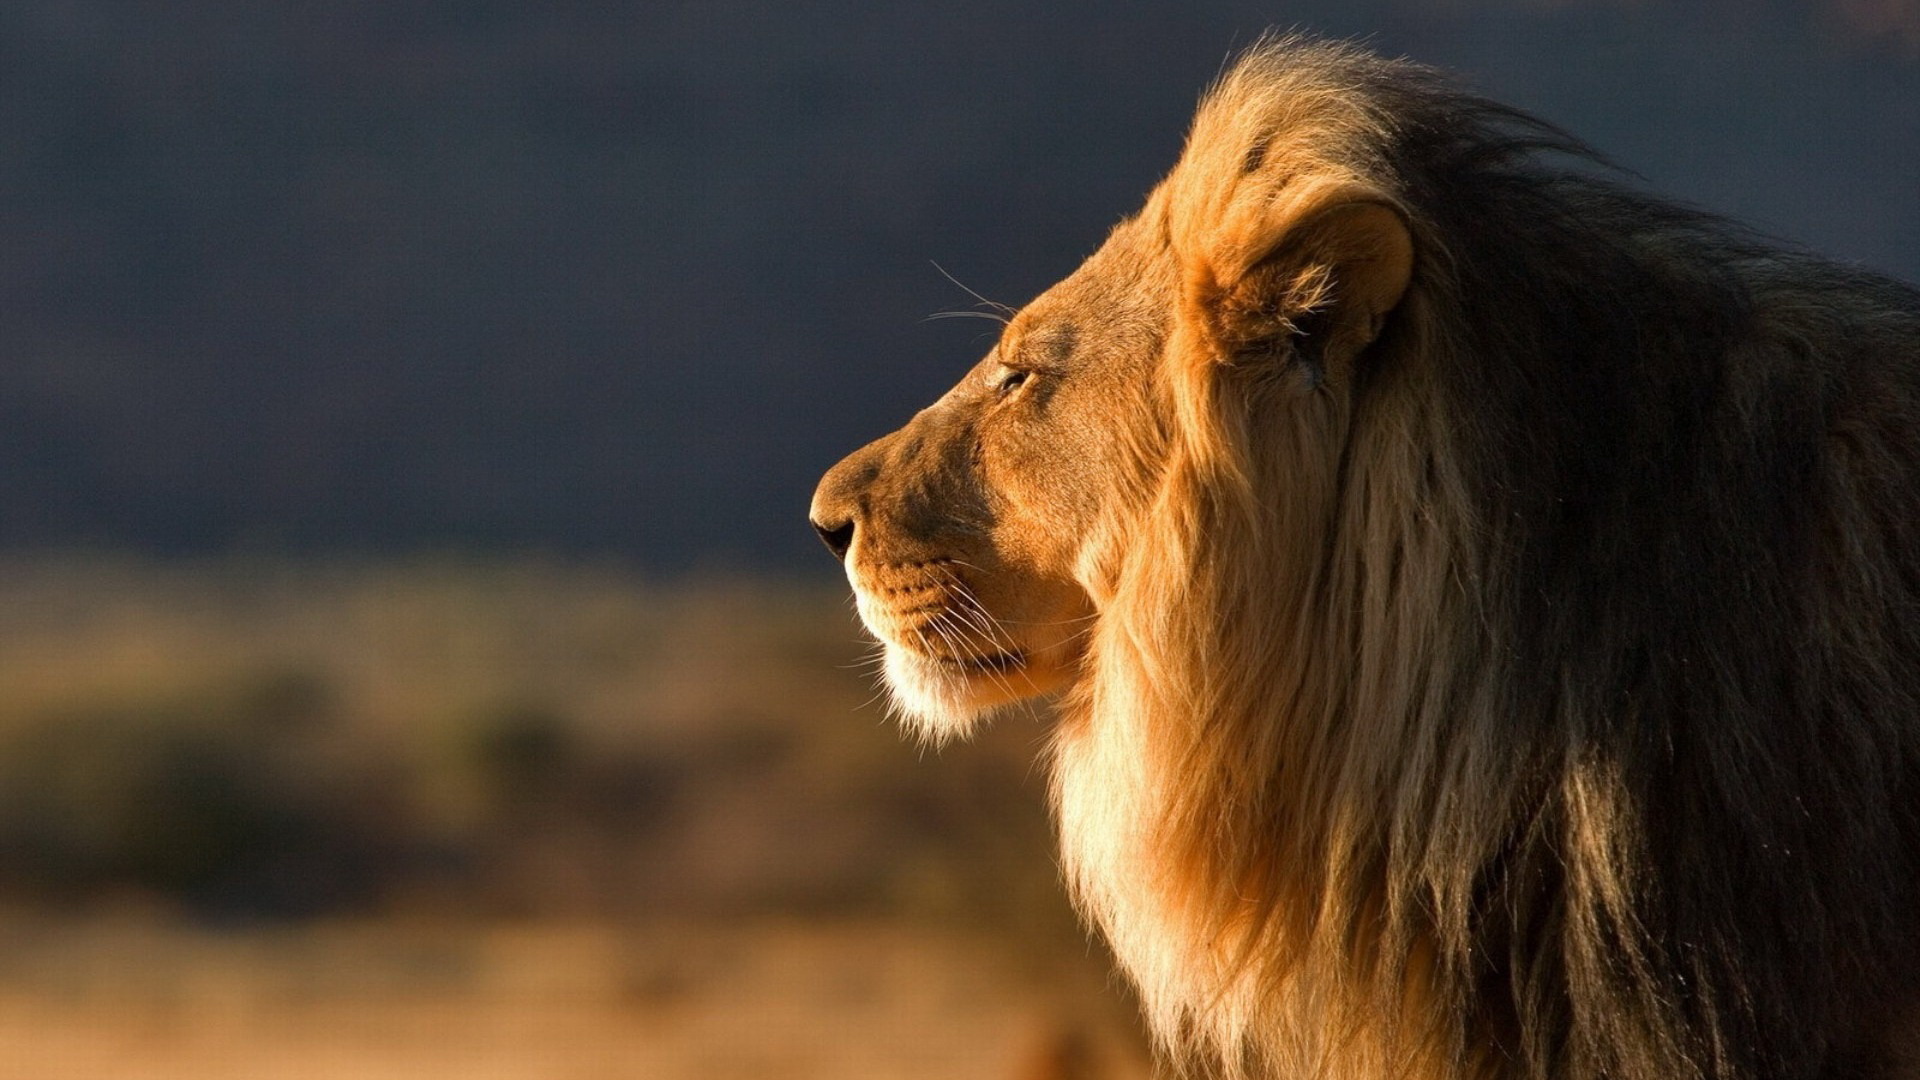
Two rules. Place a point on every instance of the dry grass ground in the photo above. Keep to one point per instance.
(545, 1001)
(509, 820)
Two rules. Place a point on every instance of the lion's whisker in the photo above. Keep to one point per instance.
(987, 315)
(1004, 309)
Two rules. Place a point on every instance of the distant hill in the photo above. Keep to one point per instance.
(625, 278)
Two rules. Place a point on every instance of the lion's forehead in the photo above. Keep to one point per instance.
(1117, 303)
(1049, 341)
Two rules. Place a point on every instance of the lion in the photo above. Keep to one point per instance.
(1482, 601)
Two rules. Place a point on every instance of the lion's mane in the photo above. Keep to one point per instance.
(1550, 705)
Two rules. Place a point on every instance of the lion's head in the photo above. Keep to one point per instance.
(982, 536)
(966, 533)
(1485, 600)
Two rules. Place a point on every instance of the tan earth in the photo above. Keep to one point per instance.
(146, 1002)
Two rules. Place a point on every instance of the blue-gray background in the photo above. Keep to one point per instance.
(621, 279)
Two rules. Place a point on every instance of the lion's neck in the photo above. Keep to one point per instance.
(1241, 776)
(1231, 980)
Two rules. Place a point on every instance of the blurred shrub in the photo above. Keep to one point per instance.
(268, 739)
(522, 754)
(217, 797)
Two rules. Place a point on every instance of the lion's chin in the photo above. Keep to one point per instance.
(940, 699)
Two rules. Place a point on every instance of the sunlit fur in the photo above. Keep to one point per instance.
(1542, 704)
(1496, 603)
(936, 702)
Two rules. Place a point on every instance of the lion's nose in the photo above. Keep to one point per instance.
(837, 536)
(842, 497)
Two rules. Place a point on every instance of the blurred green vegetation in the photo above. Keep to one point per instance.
(249, 739)
(205, 795)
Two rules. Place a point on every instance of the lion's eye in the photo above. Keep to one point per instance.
(1007, 379)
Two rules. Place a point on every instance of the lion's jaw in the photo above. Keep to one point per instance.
(948, 658)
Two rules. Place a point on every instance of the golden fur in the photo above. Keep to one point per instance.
(1486, 602)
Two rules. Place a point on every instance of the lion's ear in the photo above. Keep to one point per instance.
(1312, 277)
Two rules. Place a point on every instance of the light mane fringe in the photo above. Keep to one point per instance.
(1258, 891)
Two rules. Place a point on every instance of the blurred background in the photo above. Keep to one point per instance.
(414, 660)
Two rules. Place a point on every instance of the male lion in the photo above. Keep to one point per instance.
(1486, 600)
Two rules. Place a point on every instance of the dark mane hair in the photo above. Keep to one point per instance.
(1546, 701)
